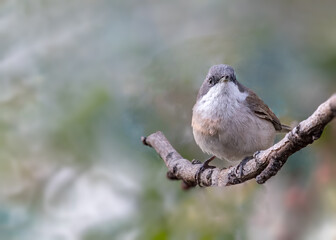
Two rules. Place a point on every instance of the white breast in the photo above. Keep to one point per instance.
(238, 132)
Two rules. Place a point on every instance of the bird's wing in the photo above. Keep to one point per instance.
(263, 111)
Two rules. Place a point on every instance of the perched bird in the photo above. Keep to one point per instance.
(229, 120)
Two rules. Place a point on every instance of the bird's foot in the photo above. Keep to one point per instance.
(204, 166)
(242, 164)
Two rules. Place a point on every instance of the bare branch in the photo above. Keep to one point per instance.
(264, 164)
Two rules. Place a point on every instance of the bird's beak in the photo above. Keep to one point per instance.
(224, 80)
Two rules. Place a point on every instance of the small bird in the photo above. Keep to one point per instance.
(229, 120)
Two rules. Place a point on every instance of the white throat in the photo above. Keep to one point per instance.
(221, 96)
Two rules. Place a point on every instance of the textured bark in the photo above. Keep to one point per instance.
(262, 166)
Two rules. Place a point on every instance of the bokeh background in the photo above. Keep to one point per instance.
(82, 80)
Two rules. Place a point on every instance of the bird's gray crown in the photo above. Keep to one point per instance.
(221, 70)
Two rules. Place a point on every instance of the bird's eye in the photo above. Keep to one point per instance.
(212, 80)
(226, 77)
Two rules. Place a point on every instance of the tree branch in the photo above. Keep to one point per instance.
(262, 166)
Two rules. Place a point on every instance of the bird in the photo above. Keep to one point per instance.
(229, 120)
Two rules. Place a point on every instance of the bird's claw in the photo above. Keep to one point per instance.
(195, 161)
(242, 164)
(204, 166)
(256, 153)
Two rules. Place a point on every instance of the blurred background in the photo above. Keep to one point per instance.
(81, 81)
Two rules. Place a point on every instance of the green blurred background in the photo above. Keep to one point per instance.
(81, 81)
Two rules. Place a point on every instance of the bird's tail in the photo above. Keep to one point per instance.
(285, 128)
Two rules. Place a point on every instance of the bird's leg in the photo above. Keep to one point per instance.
(242, 164)
(204, 166)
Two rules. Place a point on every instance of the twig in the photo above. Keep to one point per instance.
(262, 166)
